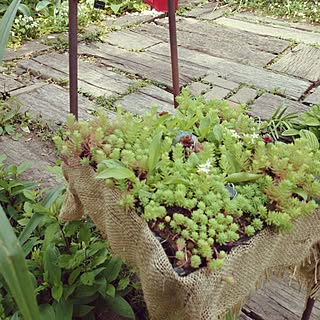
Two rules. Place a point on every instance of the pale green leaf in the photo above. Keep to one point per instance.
(14, 270)
(116, 173)
(6, 24)
(154, 152)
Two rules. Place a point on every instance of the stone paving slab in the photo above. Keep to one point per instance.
(30, 148)
(302, 61)
(93, 79)
(220, 82)
(270, 30)
(251, 17)
(229, 70)
(9, 83)
(220, 42)
(210, 11)
(129, 40)
(142, 64)
(265, 106)
(216, 93)
(51, 103)
(132, 19)
(278, 300)
(141, 101)
(314, 97)
(26, 49)
(244, 95)
(198, 88)
(223, 34)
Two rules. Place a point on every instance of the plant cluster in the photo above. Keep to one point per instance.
(204, 178)
(39, 18)
(307, 126)
(73, 272)
(297, 10)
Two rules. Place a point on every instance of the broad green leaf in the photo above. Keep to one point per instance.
(29, 194)
(84, 233)
(85, 291)
(234, 163)
(154, 152)
(24, 10)
(113, 268)
(42, 4)
(115, 7)
(123, 283)
(116, 173)
(47, 312)
(50, 257)
(113, 163)
(71, 228)
(24, 128)
(57, 291)
(6, 24)
(120, 306)
(72, 261)
(30, 244)
(204, 126)
(82, 310)
(290, 132)
(74, 275)
(87, 278)
(9, 129)
(242, 177)
(63, 310)
(52, 196)
(15, 272)
(217, 133)
(29, 228)
(111, 290)
(23, 167)
(311, 139)
(303, 194)
(8, 116)
(309, 120)
(175, 180)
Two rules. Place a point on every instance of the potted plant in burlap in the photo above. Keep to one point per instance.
(200, 202)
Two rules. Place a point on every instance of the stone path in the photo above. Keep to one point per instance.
(241, 57)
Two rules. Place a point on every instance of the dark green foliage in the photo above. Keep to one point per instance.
(72, 270)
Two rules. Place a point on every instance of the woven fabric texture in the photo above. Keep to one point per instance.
(202, 295)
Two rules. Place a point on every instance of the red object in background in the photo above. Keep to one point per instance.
(161, 5)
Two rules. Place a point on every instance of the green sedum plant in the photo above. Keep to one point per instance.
(204, 178)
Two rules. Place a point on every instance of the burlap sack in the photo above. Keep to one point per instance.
(200, 295)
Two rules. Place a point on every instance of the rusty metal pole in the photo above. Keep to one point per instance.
(308, 309)
(73, 56)
(173, 49)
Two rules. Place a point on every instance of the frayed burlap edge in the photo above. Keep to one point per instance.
(201, 295)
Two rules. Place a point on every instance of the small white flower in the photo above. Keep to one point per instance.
(234, 133)
(206, 167)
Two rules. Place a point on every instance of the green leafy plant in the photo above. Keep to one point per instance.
(307, 126)
(72, 270)
(205, 179)
(298, 10)
(13, 269)
(280, 121)
(6, 24)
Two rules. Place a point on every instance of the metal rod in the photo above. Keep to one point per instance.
(173, 49)
(73, 56)
(308, 309)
